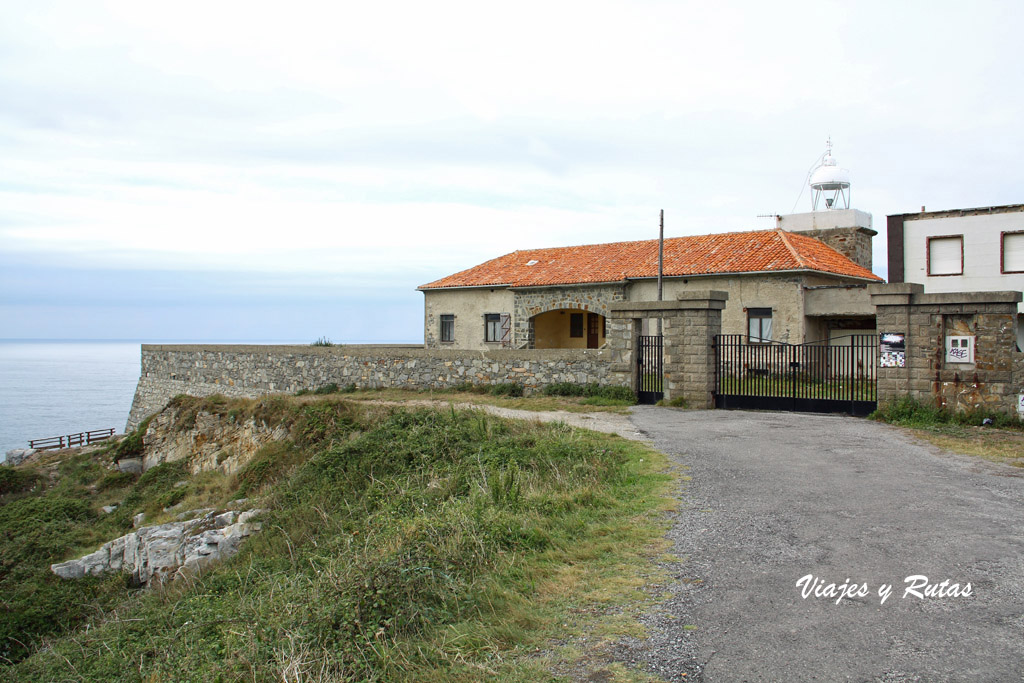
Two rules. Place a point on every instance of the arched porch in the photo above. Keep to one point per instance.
(569, 328)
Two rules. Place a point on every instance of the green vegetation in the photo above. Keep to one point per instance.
(17, 481)
(595, 394)
(131, 445)
(399, 545)
(507, 389)
(909, 412)
(328, 389)
(322, 341)
(861, 389)
(965, 432)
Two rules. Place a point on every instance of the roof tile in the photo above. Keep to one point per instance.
(731, 252)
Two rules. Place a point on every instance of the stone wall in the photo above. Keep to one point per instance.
(249, 371)
(993, 381)
(854, 243)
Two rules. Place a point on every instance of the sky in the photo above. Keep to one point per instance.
(290, 171)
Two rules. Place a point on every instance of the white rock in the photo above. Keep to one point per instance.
(154, 554)
(18, 456)
(226, 518)
(249, 514)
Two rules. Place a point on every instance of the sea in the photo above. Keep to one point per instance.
(60, 387)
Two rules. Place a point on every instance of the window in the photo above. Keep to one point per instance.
(575, 325)
(447, 327)
(759, 323)
(492, 327)
(1012, 250)
(946, 255)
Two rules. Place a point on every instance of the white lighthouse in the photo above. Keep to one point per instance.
(831, 219)
(830, 185)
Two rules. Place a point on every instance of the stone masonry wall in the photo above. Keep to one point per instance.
(690, 325)
(993, 381)
(249, 371)
(854, 243)
(534, 301)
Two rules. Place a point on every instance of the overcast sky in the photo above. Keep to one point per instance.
(218, 170)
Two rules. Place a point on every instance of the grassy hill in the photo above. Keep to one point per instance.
(398, 545)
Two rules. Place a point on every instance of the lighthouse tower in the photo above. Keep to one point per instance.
(831, 219)
(830, 185)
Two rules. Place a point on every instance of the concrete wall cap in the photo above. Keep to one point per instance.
(384, 352)
(895, 288)
(1008, 297)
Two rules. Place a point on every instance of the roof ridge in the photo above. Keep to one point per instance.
(792, 250)
(649, 239)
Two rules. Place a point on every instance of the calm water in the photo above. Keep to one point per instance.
(54, 388)
(50, 388)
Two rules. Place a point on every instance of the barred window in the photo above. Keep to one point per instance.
(447, 327)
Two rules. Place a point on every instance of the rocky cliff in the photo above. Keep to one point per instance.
(207, 440)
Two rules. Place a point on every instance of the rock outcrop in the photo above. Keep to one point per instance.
(155, 554)
(18, 456)
(211, 443)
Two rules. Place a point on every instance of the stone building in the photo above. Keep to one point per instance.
(803, 281)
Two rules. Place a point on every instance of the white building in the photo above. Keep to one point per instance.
(963, 250)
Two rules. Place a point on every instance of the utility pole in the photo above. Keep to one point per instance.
(661, 259)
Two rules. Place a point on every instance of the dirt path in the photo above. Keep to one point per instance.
(609, 423)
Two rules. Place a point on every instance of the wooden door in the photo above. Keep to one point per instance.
(593, 330)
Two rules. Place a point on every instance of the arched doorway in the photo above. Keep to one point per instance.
(569, 328)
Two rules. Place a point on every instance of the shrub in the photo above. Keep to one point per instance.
(17, 481)
(132, 445)
(617, 394)
(910, 412)
(322, 341)
(563, 389)
(471, 388)
(621, 395)
(506, 389)
(116, 480)
(267, 466)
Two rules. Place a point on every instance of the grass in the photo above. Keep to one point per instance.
(535, 402)
(400, 545)
(784, 385)
(961, 432)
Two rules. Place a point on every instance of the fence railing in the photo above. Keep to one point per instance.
(71, 440)
(817, 376)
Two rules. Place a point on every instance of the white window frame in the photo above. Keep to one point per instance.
(761, 318)
(1018, 236)
(947, 239)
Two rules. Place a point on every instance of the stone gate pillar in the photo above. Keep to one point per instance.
(993, 378)
(690, 325)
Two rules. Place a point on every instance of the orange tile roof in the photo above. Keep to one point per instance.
(730, 252)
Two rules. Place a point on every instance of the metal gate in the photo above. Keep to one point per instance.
(835, 376)
(650, 382)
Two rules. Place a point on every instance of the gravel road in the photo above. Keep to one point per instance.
(774, 497)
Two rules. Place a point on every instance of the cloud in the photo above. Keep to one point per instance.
(387, 144)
